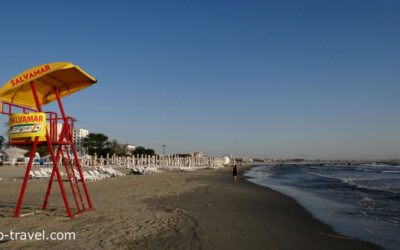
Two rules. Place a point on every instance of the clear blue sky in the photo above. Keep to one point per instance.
(314, 79)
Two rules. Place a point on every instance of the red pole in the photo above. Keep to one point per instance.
(59, 179)
(28, 169)
(74, 151)
(50, 146)
(70, 180)
(78, 164)
(46, 199)
(75, 179)
(60, 104)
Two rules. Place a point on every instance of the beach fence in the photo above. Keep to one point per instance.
(94, 168)
(152, 163)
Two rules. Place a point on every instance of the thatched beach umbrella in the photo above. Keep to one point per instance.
(14, 153)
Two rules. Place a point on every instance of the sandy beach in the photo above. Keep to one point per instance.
(170, 210)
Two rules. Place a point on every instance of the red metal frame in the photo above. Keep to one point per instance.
(63, 142)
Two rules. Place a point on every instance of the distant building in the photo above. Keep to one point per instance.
(78, 136)
(59, 130)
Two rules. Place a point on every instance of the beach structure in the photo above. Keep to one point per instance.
(14, 153)
(226, 160)
(22, 100)
(129, 148)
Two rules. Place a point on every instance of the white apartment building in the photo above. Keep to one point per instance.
(77, 138)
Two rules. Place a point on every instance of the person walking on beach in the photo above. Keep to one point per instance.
(234, 171)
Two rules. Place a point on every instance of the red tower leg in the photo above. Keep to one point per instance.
(50, 146)
(46, 199)
(74, 152)
(28, 169)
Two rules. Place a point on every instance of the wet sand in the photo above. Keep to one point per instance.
(171, 210)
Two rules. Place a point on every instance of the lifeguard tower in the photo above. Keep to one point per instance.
(22, 99)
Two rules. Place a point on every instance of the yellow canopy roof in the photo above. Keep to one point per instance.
(63, 76)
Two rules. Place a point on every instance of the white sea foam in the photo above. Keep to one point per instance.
(357, 179)
(257, 172)
(392, 171)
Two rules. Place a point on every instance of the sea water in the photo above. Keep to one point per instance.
(360, 201)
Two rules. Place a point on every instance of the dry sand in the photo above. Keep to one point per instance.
(171, 210)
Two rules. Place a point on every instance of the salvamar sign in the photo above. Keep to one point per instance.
(27, 125)
(30, 75)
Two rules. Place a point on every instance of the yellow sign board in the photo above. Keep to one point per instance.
(27, 125)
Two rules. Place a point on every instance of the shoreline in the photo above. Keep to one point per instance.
(172, 210)
(244, 215)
